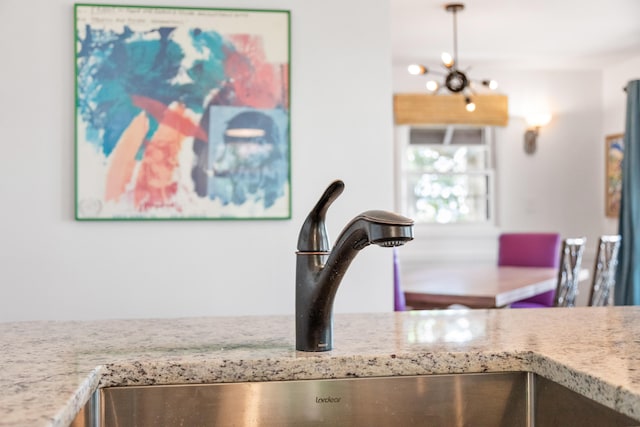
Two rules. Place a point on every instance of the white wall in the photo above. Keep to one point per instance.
(615, 78)
(557, 188)
(52, 267)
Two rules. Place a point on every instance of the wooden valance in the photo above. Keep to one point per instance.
(418, 108)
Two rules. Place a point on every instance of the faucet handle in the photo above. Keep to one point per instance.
(313, 235)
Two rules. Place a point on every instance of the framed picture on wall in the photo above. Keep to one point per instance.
(613, 185)
(182, 113)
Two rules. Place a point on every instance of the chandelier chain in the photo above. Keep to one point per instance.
(455, 39)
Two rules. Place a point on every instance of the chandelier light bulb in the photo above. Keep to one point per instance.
(447, 59)
(417, 69)
(491, 84)
(432, 85)
(471, 107)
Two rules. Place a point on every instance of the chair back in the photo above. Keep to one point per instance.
(568, 275)
(530, 250)
(604, 271)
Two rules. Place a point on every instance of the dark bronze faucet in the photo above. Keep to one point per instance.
(319, 269)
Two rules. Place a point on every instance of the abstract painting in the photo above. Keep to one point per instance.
(613, 185)
(182, 113)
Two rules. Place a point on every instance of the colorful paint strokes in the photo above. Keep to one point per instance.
(613, 186)
(182, 113)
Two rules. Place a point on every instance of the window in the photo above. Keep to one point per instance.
(446, 174)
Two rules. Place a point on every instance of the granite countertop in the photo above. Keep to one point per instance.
(49, 369)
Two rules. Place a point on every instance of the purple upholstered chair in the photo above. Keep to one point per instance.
(530, 250)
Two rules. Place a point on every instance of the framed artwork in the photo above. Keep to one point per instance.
(181, 113)
(613, 185)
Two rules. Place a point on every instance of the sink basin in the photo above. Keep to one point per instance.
(489, 399)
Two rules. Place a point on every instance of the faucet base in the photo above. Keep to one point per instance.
(312, 335)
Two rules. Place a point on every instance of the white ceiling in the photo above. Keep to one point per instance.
(517, 33)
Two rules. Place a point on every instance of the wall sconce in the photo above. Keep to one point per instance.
(534, 123)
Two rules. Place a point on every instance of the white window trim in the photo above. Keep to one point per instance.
(401, 138)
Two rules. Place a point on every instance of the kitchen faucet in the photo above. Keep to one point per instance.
(319, 269)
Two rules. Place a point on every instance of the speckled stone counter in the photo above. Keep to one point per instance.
(49, 369)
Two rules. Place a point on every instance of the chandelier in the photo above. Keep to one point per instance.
(455, 80)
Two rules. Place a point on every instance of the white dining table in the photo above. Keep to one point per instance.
(477, 286)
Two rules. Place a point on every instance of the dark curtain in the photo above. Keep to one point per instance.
(628, 272)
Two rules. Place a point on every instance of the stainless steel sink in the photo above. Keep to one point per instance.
(490, 399)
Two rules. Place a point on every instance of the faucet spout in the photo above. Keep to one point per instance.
(319, 270)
